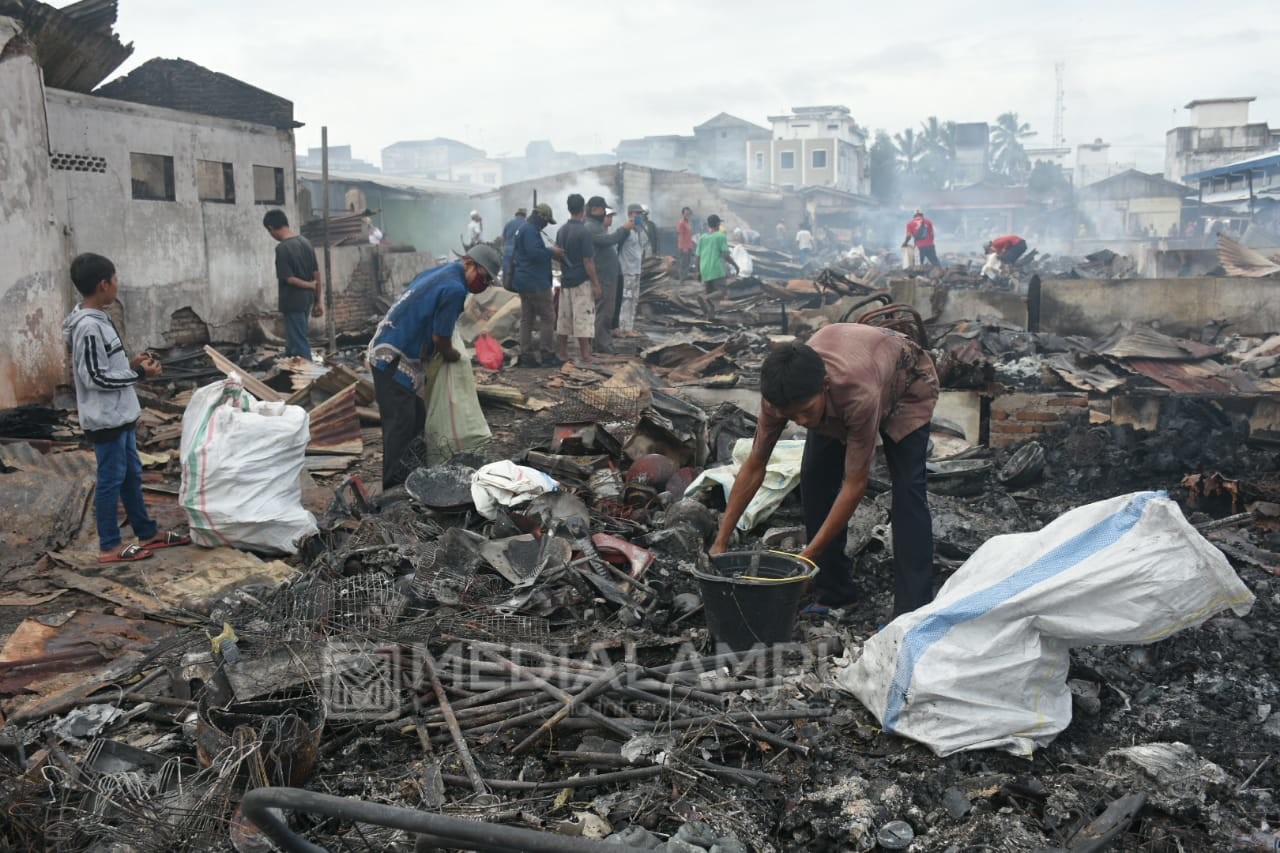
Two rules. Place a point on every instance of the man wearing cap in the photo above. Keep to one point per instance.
(531, 280)
(920, 230)
(419, 327)
(475, 229)
(509, 243)
(651, 229)
(577, 315)
(713, 256)
(607, 270)
(631, 255)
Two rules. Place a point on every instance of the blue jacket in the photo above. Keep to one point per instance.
(509, 239)
(429, 306)
(532, 257)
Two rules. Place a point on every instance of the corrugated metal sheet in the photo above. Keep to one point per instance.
(1200, 377)
(71, 464)
(335, 425)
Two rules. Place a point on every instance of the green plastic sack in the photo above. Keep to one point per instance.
(455, 421)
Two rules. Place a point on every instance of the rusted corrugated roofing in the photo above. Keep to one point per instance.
(1200, 377)
(75, 47)
(335, 425)
(1238, 259)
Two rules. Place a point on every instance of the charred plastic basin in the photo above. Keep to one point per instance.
(288, 728)
(959, 477)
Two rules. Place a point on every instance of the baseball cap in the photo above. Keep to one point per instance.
(544, 210)
(609, 211)
(487, 257)
(596, 201)
(520, 211)
(635, 208)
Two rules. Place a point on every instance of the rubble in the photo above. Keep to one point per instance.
(546, 667)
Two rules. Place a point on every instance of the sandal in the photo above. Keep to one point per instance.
(128, 554)
(170, 540)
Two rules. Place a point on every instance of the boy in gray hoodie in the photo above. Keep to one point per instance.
(108, 406)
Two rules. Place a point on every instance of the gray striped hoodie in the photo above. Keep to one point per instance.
(104, 380)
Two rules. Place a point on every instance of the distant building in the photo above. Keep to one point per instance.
(1219, 133)
(1093, 164)
(482, 171)
(1130, 203)
(340, 160)
(819, 146)
(715, 150)
(1245, 185)
(427, 158)
(973, 152)
(541, 159)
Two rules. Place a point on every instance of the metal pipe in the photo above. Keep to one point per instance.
(466, 834)
(629, 775)
(551, 690)
(602, 684)
(464, 753)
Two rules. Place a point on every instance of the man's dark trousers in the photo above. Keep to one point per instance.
(404, 417)
(929, 255)
(822, 475)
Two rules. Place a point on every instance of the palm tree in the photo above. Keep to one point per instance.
(910, 148)
(1008, 156)
(939, 139)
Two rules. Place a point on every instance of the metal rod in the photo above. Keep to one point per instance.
(468, 764)
(551, 690)
(627, 775)
(328, 267)
(605, 682)
(260, 804)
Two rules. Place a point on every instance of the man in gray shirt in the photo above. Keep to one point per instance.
(607, 268)
(631, 255)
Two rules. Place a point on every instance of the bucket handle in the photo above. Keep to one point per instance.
(810, 563)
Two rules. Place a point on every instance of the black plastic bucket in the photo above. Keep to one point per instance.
(751, 596)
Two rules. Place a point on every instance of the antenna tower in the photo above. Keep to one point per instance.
(1059, 105)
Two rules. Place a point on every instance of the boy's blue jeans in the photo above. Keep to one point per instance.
(295, 334)
(120, 478)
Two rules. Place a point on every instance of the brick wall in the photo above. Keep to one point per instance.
(1018, 417)
(186, 329)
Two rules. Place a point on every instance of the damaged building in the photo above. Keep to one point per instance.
(167, 171)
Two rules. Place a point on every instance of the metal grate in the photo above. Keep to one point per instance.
(77, 162)
(602, 403)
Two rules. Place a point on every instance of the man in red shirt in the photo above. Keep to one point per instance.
(920, 229)
(684, 242)
(1008, 248)
(849, 384)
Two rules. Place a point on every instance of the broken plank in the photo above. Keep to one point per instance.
(254, 386)
(335, 425)
(116, 593)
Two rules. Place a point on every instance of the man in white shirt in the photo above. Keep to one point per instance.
(475, 229)
(804, 245)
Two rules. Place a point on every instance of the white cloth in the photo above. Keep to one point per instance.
(804, 240)
(505, 483)
(630, 301)
(475, 232)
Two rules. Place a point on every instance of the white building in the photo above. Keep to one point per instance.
(174, 199)
(1219, 133)
(1094, 163)
(818, 146)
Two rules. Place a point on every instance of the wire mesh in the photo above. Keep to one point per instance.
(602, 403)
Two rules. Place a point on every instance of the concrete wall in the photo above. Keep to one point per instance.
(35, 290)
(213, 258)
(958, 304)
(1178, 306)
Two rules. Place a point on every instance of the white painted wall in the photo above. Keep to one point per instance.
(35, 289)
(1225, 113)
(213, 257)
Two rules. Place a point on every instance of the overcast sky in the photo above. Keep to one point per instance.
(497, 74)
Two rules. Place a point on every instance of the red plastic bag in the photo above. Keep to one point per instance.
(489, 352)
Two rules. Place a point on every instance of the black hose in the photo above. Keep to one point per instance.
(457, 832)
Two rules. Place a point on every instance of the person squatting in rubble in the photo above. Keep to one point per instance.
(108, 408)
(1008, 248)
(920, 229)
(608, 271)
(298, 278)
(631, 256)
(531, 267)
(576, 316)
(848, 384)
(418, 327)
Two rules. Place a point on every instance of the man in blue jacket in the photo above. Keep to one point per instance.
(531, 265)
(417, 327)
(509, 243)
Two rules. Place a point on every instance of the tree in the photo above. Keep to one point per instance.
(1008, 156)
(882, 168)
(1049, 182)
(910, 150)
(939, 141)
